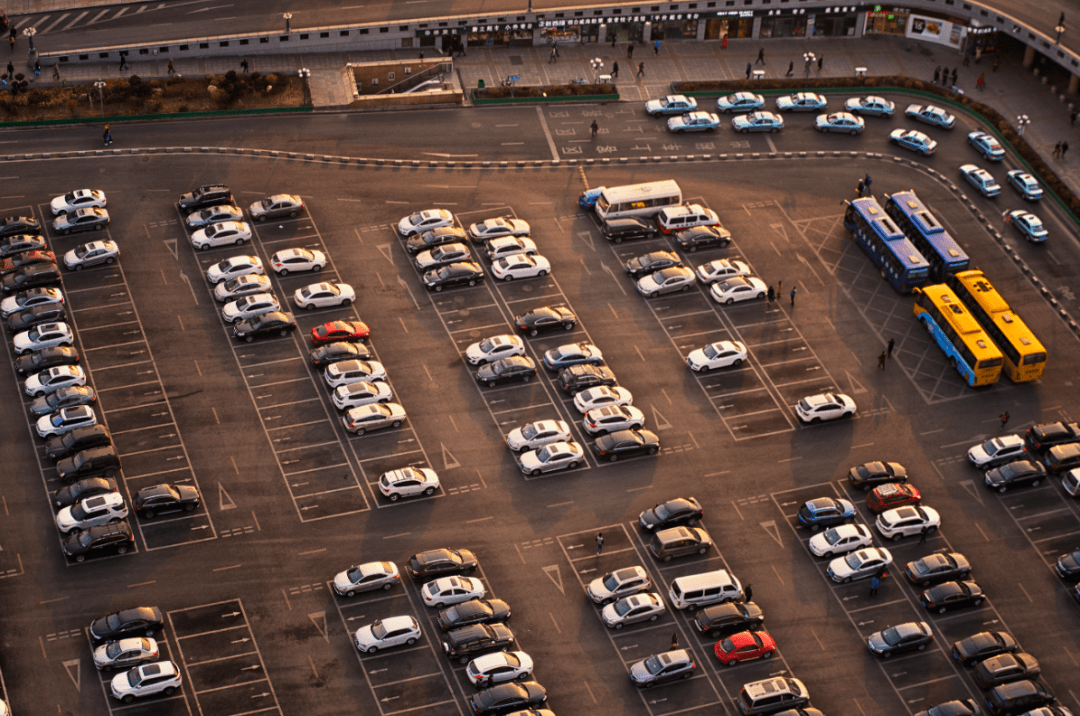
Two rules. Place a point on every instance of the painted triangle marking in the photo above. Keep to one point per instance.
(555, 576)
(856, 386)
(774, 532)
(171, 245)
(973, 488)
(661, 422)
(449, 459)
(780, 229)
(587, 237)
(384, 249)
(226, 501)
(76, 676)
(318, 618)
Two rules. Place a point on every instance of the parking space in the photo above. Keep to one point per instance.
(175, 705)
(220, 656)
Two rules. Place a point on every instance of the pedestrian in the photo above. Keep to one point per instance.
(1057, 150)
(749, 69)
(820, 59)
(944, 75)
(641, 69)
(892, 344)
(552, 56)
(760, 56)
(37, 68)
(954, 77)
(615, 69)
(875, 583)
(881, 360)
(172, 70)
(723, 43)
(421, 58)
(937, 74)
(771, 295)
(860, 187)
(244, 65)
(10, 70)
(790, 69)
(675, 641)
(868, 180)
(793, 289)
(1072, 117)
(599, 542)
(656, 47)
(56, 72)
(779, 289)
(630, 50)
(11, 41)
(1064, 148)
(1004, 418)
(555, 45)
(107, 136)
(923, 534)
(595, 128)
(613, 38)
(981, 82)
(748, 593)
(123, 62)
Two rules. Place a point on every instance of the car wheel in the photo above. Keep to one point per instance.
(170, 691)
(704, 369)
(535, 473)
(430, 491)
(438, 288)
(239, 242)
(204, 247)
(1002, 489)
(886, 654)
(815, 421)
(744, 131)
(410, 641)
(78, 267)
(128, 699)
(686, 287)
(39, 393)
(736, 363)
(285, 272)
(394, 497)
(866, 488)
(729, 301)
(692, 248)
(351, 592)
(347, 302)
(846, 580)
(249, 339)
(310, 307)
(1034, 483)
(620, 625)
(821, 129)
(360, 431)
(110, 472)
(189, 508)
(110, 260)
(292, 214)
(897, 537)
(815, 528)
(541, 273)
(774, 130)
(654, 450)
(396, 424)
(613, 458)
(472, 282)
(107, 668)
(463, 660)
(491, 384)
(618, 239)
(526, 379)
(533, 332)
(977, 602)
(81, 558)
(568, 326)
(654, 294)
(262, 218)
(508, 278)
(922, 647)
(372, 649)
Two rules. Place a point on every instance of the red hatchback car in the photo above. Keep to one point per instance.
(339, 331)
(893, 494)
(745, 646)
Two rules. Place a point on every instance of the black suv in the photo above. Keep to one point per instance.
(577, 378)
(115, 537)
(205, 197)
(19, 225)
(166, 498)
(728, 618)
(90, 436)
(469, 642)
(138, 621)
(702, 237)
(474, 611)
(31, 276)
(91, 486)
(1040, 438)
(30, 317)
(437, 563)
(628, 229)
(1019, 696)
(46, 358)
(89, 463)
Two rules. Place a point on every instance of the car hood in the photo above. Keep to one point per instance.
(639, 673)
(486, 371)
(515, 439)
(1068, 562)
(877, 642)
(364, 637)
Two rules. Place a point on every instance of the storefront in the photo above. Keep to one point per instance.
(625, 29)
(784, 23)
(568, 31)
(982, 41)
(833, 22)
(886, 22)
(734, 24)
(509, 35)
(680, 26)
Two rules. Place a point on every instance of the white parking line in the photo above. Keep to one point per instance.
(126, 386)
(135, 407)
(115, 345)
(155, 474)
(122, 365)
(308, 447)
(142, 452)
(317, 469)
(108, 325)
(294, 402)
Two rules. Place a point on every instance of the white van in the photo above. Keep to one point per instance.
(676, 218)
(698, 590)
(619, 202)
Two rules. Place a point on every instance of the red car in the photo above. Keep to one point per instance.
(893, 494)
(14, 263)
(744, 646)
(339, 331)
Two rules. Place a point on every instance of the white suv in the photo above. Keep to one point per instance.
(146, 680)
(907, 521)
(97, 510)
(249, 306)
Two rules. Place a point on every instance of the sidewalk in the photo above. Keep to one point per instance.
(1011, 90)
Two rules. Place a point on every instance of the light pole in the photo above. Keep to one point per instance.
(101, 95)
(597, 64)
(1059, 29)
(288, 24)
(29, 33)
(808, 58)
(1022, 121)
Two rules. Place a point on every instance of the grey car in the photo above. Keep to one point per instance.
(276, 206)
(680, 542)
(91, 219)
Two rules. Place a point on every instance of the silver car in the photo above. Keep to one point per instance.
(366, 577)
(537, 434)
(633, 609)
(601, 421)
(556, 456)
(669, 280)
(276, 206)
(374, 416)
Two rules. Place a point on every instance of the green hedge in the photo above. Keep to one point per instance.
(173, 115)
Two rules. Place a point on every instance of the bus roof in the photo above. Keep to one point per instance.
(979, 287)
(884, 226)
(630, 192)
(953, 308)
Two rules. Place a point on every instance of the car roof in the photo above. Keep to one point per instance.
(399, 622)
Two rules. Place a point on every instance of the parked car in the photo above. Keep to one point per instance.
(939, 566)
(520, 266)
(859, 564)
(671, 104)
(618, 584)
(232, 267)
(408, 482)
(983, 645)
(27, 258)
(648, 606)
(535, 435)
(225, 233)
(78, 199)
(515, 369)
(53, 379)
(45, 335)
(662, 668)
(600, 421)
(166, 498)
(387, 633)
(32, 276)
(442, 255)
(46, 358)
(426, 240)
(245, 285)
(110, 538)
(324, 295)
(441, 562)
(374, 416)
(651, 262)
(124, 653)
(493, 348)
(464, 273)
(213, 215)
(363, 392)
(289, 261)
(500, 667)
(424, 221)
(681, 511)
(728, 618)
(825, 512)
(909, 636)
(841, 539)
(137, 621)
(893, 494)
(625, 443)
(738, 288)
(720, 269)
(489, 229)
(570, 354)
(276, 207)
(466, 643)
(824, 406)
(553, 456)
(474, 611)
(870, 105)
(11, 244)
(81, 220)
(713, 356)
(366, 577)
(274, 323)
(901, 522)
(90, 511)
(996, 451)
(544, 319)
(505, 246)
(870, 474)
(205, 196)
(81, 489)
(1003, 668)
(30, 298)
(1015, 474)
(65, 420)
(669, 280)
(250, 306)
(91, 436)
(63, 398)
(745, 646)
(628, 228)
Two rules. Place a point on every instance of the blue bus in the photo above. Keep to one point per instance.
(926, 232)
(900, 262)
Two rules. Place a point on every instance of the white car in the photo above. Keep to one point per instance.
(671, 104)
(234, 266)
(366, 577)
(46, 335)
(906, 521)
(384, 633)
(602, 396)
(562, 455)
(289, 261)
(445, 591)
(537, 434)
(125, 653)
(738, 288)
(496, 228)
(997, 451)
(91, 254)
(65, 420)
(841, 540)
(249, 306)
(840, 122)
(825, 406)
(161, 677)
(499, 667)
(510, 246)
(860, 564)
(520, 266)
(96, 510)
(442, 255)
(241, 286)
(424, 220)
(494, 348)
(647, 606)
(981, 179)
(321, 295)
(29, 298)
(613, 418)
(347, 372)
(408, 482)
(48, 381)
(801, 102)
(361, 393)
(223, 234)
(720, 269)
(669, 280)
(617, 584)
(79, 199)
(717, 355)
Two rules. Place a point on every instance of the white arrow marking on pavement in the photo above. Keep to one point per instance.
(555, 576)
(253, 667)
(230, 614)
(241, 641)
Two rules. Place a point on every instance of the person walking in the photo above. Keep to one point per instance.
(56, 72)
(613, 39)
(771, 295)
(860, 187)
(615, 69)
(1072, 117)
(892, 344)
(881, 360)
(10, 70)
(37, 68)
(923, 534)
(723, 43)
(641, 69)
(552, 57)
(790, 69)
(760, 56)
(793, 289)
(172, 70)
(244, 64)
(944, 76)
(107, 136)
(875, 584)
(1004, 418)
(749, 69)
(123, 62)
(1064, 148)
(980, 83)
(820, 59)
(555, 45)
(11, 41)
(630, 50)
(868, 180)
(595, 128)
(779, 289)
(937, 74)
(748, 593)
(599, 542)
(954, 76)
(675, 641)
(656, 47)
(1057, 150)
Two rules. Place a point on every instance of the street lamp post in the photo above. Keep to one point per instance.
(29, 33)
(597, 64)
(101, 95)
(288, 23)
(1059, 29)
(1022, 121)
(808, 58)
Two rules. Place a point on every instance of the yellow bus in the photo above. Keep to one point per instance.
(958, 334)
(1025, 356)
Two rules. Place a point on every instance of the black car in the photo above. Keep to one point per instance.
(165, 498)
(1040, 438)
(12, 225)
(679, 511)
(515, 369)
(46, 358)
(84, 438)
(728, 618)
(466, 643)
(662, 668)
(1068, 566)
(628, 229)
(1019, 473)
(31, 277)
(625, 443)
(474, 611)
(869, 475)
(1019, 696)
(30, 317)
(1003, 668)
(952, 595)
(940, 566)
(204, 197)
(508, 696)
(339, 351)
(544, 319)
(437, 563)
(436, 237)
(113, 538)
(702, 237)
(66, 397)
(983, 645)
(655, 261)
(896, 639)
(577, 378)
(463, 273)
(137, 621)
(87, 487)
(276, 323)
(964, 707)
(92, 462)
(18, 243)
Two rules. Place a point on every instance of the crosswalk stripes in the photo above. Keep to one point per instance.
(53, 23)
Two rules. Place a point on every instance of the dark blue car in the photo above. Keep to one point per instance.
(825, 512)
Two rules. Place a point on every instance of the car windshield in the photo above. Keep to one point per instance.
(653, 665)
(1012, 470)
(85, 538)
(378, 630)
(662, 511)
(416, 218)
(112, 649)
(81, 251)
(78, 512)
(611, 583)
(266, 203)
(854, 560)
(530, 431)
(727, 645)
(891, 636)
(488, 344)
(710, 351)
(546, 453)
(832, 536)
(135, 677)
(623, 606)
(354, 574)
